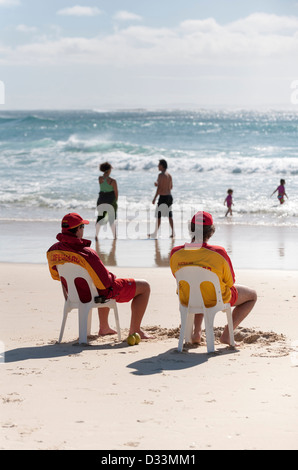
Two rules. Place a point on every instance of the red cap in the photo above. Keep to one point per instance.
(202, 218)
(72, 220)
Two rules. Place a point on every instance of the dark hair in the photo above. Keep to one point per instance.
(73, 230)
(163, 163)
(282, 182)
(105, 166)
(201, 233)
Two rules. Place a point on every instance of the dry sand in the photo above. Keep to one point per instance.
(109, 396)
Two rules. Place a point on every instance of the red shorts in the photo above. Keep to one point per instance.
(124, 290)
(234, 296)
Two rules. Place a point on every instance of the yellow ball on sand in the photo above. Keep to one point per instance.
(131, 340)
(137, 337)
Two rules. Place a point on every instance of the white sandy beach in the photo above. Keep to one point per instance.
(112, 396)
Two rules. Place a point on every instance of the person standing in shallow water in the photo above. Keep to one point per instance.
(281, 192)
(164, 186)
(229, 202)
(107, 200)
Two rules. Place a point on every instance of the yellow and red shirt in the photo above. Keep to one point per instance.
(70, 249)
(214, 258)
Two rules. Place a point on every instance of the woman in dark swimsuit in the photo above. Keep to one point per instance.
(107, 200)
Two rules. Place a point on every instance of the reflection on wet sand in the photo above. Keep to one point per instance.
(136, 253)
(163, 259)
(249, 247)
(107, 257)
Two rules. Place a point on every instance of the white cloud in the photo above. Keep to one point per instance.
(193, 42)
(204, 26)
(79, 11)
(251, 60)
(22, 28)
(127, 16)
(9, 3)
(256, 23)
(264, 23)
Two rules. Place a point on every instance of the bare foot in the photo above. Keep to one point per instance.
(195, 341)
(142, 334)
(196, 337)
(225, 339)
(106, 331)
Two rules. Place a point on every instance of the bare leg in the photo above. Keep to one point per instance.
(246, 300)
(138, 307)
(97, 228)
(197, 334)
(154, 234)
(113, 228)
(104, 327)
(172, 226)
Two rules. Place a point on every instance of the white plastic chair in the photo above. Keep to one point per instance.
(70, 272)
(194, 276)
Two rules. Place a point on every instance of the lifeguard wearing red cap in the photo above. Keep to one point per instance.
(72, 220)
(202, 218)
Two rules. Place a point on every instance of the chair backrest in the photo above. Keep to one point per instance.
(195, 276)
(79, 285)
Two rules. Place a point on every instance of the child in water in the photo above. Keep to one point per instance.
(229, 202)
(281, 192)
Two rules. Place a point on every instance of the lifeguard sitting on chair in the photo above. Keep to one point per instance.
(73, 248)
(216, 259)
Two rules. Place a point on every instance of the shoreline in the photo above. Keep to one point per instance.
(249, 247)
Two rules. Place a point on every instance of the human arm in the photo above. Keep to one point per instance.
(154, 199)
(226, 270)
(274, 192)
(102, 278)
(157, 184)
(171, 182)
(115, 187)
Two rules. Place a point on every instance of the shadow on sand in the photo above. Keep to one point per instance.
(56, 350)
(166, 361)
(174, 360)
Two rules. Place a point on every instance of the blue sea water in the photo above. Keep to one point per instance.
(49, 161)
(49, 164)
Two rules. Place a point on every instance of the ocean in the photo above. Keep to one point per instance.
(49, 166)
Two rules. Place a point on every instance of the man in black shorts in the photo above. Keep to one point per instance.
(164, 185)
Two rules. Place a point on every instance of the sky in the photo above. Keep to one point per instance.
(113, 54)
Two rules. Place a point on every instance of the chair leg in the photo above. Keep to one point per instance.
(117, 322)
(89, 321)
(183, 315)
(189, 327)
(209, 322)
(65, 313)
(230, 326)
(62, 327)
(83, 325)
